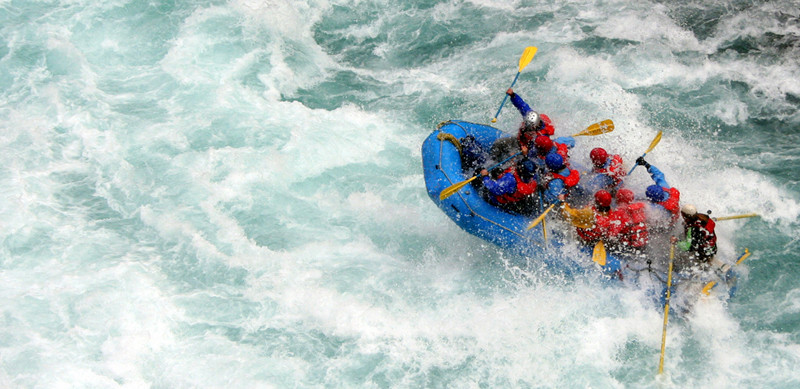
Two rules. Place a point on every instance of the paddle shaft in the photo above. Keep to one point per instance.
(666, 311)
(501, 163)
(524, 60)
(734, 217)
(506, 97)
(649, 149)
(541, 217)
(544, 225)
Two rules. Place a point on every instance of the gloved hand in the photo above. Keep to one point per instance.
(510, 92)
(642, 162)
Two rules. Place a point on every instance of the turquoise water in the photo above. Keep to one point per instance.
(230, 194)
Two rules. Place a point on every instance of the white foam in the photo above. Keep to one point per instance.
(380, 275)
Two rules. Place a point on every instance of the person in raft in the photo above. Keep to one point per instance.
(598, 222)
(543, 145)
(634, 236)
(512, 189)
(607, 171)
(664, 198)
(700, 239)
(559, 179)
(533, 125)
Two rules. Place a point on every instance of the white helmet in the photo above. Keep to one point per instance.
(688, 210)
(532, 119)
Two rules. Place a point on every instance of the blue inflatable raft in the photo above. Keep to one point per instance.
(442, 164)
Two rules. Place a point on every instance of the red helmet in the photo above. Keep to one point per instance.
(599, 156)
(543, 144)
(602, 198)
(624, 196)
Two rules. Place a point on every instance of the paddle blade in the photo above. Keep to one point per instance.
(707, 289)
(744, 256)
(450, 190)
(524, 60)
(603, 127)
(526, 57)
(649, 149)
(541, 217)
(599, 253)
(654, 142)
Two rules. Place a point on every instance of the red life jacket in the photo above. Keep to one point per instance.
(704, 239)
(523, 189)
(570, 180)
(548, 129)
(672, 203)
(613, 168)
(562, 150)
(634, 233)
(608, 227)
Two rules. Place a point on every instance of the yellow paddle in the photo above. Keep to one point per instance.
(649, 149)
(541, 217)
(599, 253)
(524, 60)
(579, 218)
(734, 217)
(666, 310)
(544, 225)
(598, 128)
(707, 289)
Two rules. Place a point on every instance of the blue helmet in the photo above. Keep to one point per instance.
(528, 166)
(554, 161)
(656, 193)
(526, 169)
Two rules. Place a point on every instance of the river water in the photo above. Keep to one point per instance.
(219, 194)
